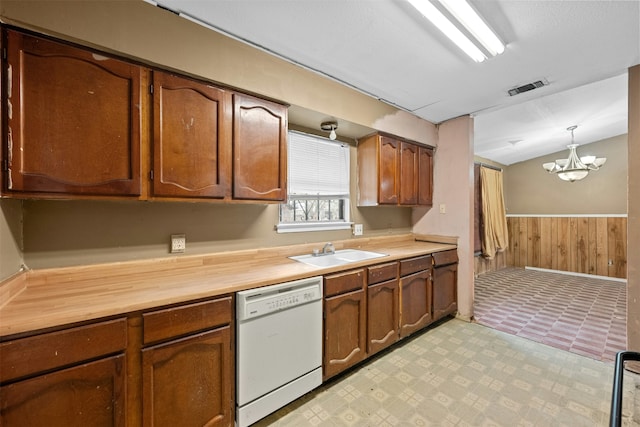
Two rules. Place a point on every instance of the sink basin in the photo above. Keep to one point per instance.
(340, 257)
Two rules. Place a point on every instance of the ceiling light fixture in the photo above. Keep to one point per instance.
(468, 17)
(574, 168)
(331, 128)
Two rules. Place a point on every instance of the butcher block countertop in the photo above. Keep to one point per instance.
(49, 298)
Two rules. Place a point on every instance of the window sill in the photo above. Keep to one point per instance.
(306, 227)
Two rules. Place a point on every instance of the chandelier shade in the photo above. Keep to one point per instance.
(574, 168)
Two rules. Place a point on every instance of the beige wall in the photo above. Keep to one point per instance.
(60, 233)
(530, 190)
(453, 175)
(144, 32)
(10, 237)
(633, 221)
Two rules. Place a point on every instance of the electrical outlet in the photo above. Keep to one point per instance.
(357, 229)
(178, 243)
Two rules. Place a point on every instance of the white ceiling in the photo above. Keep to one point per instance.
(386, 49)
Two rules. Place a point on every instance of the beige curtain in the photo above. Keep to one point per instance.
(495, 237)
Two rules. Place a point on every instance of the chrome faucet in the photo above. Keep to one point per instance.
(328, 249)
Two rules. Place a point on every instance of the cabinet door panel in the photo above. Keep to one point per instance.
(192, 138)
(382, 318)
(189, 381)
(445, 290)
(408, 174)
(74, 120)
(92, 394)
(259, 149)
(425, 177)
(415, 300)
(389, 174)
(344, 332)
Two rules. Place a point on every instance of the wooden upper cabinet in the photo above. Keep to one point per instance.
(425, 176)
(394, 172)
(259, 149)
(408, 174)
(191, 138)
(389, 175)
(72, 120)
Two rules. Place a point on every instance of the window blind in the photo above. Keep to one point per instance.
(317, 166)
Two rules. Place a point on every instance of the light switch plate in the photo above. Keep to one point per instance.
(178, 243)
(443, 208)
(357, 229)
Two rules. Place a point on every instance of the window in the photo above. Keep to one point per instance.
(318, 179)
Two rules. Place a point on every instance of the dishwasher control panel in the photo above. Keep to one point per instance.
(261, 301)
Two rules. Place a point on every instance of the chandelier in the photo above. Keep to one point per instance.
(574, 168)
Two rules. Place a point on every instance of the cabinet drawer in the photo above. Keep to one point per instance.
(176, 321)
(343, 282)
(445, 257)
(408, 266)
(28, 356)
(383, 272)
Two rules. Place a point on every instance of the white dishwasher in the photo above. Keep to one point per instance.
(278, 346)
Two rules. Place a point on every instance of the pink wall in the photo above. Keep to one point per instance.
(453, 178)
(633, 221)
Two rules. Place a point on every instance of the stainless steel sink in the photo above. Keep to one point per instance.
(339, 257)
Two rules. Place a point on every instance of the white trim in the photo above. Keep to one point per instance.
(572, 273)
(568, 216)
(298, 227)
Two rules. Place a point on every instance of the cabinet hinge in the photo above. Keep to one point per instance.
(151, 89)
(151, 175)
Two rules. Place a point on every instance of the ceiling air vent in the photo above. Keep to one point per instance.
(527, 87)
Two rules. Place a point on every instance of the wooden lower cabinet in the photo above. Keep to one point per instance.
(415, 297)
(382, 319)
(167, 367)
(345, 322)
(73, 377)
(188, 367)
(383, 306)
(189, 381)
(445, 291)
(90, 394)
(445, 283)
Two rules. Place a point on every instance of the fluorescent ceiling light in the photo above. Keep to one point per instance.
(467, 16)
(464, 13)
(430, 12)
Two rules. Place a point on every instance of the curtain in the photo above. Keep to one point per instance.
(495, 237)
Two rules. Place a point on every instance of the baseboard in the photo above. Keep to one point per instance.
(573, 273)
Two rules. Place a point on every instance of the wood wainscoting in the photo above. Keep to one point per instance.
(483, 265)
(581, 244)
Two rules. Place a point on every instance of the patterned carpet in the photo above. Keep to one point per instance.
(586, 316)
(464, 374)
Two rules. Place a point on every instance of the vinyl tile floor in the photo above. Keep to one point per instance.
(586, 316)
(464, 374)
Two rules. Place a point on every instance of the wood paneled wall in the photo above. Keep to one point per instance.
(591, 245)
(482, 265)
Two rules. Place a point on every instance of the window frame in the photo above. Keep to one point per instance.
(318, 225)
